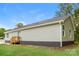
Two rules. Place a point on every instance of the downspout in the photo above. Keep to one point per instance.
(60, 33)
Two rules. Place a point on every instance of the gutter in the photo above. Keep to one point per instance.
(30, 27)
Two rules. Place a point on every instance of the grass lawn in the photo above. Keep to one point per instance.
(28, 50)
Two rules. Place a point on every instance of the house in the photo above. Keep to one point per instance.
(56, 32)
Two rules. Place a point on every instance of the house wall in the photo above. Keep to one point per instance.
(47, 33)
(68, 31)
(50, 35)
(10, 35)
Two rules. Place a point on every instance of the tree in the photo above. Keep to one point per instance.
(64, 9)
(72, 10)
(19, 25)
(2, 30)
(69, 9)
(76, 14)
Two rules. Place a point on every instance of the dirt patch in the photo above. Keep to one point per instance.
(55, 48)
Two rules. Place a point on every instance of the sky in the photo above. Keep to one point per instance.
(11, 14)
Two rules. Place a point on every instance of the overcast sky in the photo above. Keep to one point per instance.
(11, 14)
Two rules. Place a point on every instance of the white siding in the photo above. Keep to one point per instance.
(10, 35)
(46, 33)
(68, 26)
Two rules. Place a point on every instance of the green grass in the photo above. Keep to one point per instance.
(23, 50)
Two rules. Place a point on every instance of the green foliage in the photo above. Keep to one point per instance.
(69, 9)
(2, 30)
(76, 14)
(64, 9)
(19, 25)
(77, 34)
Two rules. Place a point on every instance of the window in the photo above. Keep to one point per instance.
(70, 33)
(63, 32)
(63, 27)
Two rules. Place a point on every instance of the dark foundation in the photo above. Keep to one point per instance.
(41, 43)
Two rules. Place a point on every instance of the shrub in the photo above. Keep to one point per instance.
(15, 40)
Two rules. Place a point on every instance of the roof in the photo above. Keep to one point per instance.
(48, 20)
(53, 20)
